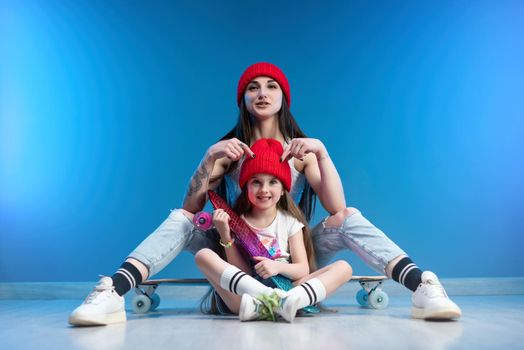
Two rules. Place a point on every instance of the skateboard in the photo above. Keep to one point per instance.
(146, 299)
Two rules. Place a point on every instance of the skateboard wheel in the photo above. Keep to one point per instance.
(155, 298)
(141, 304)
(378, 299)
(362, 298)
(203, 221)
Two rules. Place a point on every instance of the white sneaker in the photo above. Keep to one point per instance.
(102, 306)
(249, 308)
(430, 301)
(288, 308)
(266, 307)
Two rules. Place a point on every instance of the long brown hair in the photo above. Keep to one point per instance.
(243, 130)
(287, 205)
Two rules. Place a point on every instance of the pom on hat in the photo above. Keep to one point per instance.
(266, 161)
(267, 70)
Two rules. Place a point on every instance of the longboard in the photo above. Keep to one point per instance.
(146, 299)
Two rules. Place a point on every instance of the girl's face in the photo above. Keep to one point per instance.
(264, 191)
(263, 97)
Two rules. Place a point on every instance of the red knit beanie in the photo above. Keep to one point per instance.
(267, 70)
(266, 161)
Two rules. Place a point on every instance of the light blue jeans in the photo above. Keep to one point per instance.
(175, 234)
(358, 235)
(178, 233)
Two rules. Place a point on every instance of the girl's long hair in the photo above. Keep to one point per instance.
(243, 131)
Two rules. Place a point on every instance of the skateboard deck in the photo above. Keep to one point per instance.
(146, 299)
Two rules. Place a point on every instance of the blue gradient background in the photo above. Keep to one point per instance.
(107, 107)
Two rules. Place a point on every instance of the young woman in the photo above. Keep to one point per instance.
(264, 97)
(266, 206)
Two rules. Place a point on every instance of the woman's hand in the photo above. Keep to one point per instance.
(233, 149)
(265, 267)
(299, 148)
(221, 222)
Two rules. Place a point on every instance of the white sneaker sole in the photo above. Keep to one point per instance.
(97, 320)
(436, 314)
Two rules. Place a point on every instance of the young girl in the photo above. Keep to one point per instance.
(265, 204)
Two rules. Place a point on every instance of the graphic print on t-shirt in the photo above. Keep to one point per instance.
(271, 244)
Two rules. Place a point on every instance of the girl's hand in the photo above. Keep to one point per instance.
(265, 267)
(221, 222)
(233, 149)
(298, 148)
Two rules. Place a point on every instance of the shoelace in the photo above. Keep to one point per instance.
(268, 304)
(436, 289)
(96, 292)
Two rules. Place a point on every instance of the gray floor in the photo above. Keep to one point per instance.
(489, 322)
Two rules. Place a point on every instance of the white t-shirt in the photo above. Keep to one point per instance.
(275, 237)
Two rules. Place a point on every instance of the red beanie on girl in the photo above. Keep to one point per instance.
(264, 69)
(266, 161)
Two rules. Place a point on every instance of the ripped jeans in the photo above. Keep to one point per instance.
(358, 235)
(178, 233)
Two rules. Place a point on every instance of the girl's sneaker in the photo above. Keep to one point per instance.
(102, 306)
(250, 308)
(430, 301)
(267, 307)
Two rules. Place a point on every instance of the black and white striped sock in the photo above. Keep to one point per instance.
(310, 292)
(238, 282)
(125, 278)
(407, 273)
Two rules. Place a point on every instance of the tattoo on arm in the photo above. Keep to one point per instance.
(200, 176)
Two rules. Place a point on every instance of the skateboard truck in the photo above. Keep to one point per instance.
(145, 299)
(371, 295)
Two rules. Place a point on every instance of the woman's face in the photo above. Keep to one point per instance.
(263, 97)
(264, 191)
